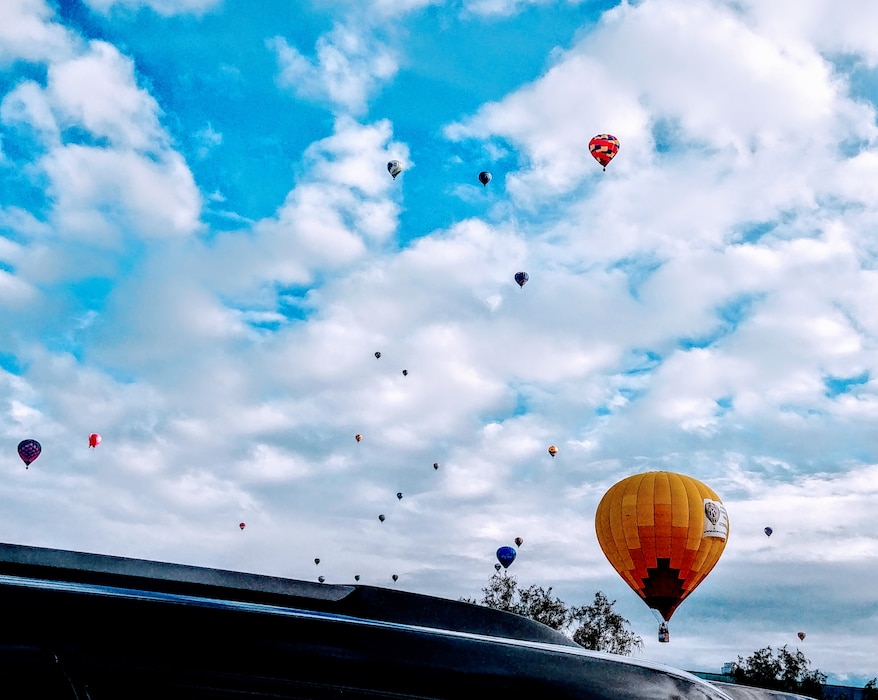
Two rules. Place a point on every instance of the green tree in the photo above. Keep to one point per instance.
(596, 626)
(601, 628)
(870, 690)
(781, 670)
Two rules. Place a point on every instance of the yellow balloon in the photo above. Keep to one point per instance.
(663, 532)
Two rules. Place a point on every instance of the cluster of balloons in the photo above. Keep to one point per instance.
(29, 450)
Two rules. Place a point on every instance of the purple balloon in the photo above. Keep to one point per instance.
(29, 450)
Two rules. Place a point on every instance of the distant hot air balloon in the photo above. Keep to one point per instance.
(405, 373)
(802, 636)
(29, 450)
(242, 525)
(497, 566)
(768, 531)
(553, 451)
(316, 562)
(518, 541)
(356, 577)
(435, 465)
(381, 517)
(321, 579)
(485, 177)
(604, 148)
(94, 440)
(399, 495)
(521, 278)
(377, 355)
(394, 167)
(358, 437)
(506, 555)
(663, 533)
(395, 578)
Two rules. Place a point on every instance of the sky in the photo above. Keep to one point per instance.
(201, 251)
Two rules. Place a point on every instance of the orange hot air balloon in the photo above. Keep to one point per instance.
(663, 532)
(553, 451)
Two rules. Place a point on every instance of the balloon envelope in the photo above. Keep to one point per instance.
(663, 533)
(242, 525)
(381, 517)
(485, 177)
(553, 450)
(358, 437)
(521, 278)
(435, 465)
(506, 555)
(604, 148)
(768, 531)
(394, 167)
(29, 450)
(802, 636)
(94, 440)
(377, 355)
(518, 541)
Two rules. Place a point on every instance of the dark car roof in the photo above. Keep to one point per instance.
(132, 628)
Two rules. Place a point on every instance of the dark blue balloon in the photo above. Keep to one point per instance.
(521, 278)
(768, 531)
(506, 555)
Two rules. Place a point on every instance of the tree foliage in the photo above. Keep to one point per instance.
(596, 626)
(870, 691)
(780, 670)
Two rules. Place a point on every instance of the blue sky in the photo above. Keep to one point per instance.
(201, 249)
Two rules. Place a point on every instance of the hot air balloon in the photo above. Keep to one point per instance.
(321, 579)
(399, 495)
(518, 541)
(497, 566)
(521, 278)
(94, 440)
(802, 636)
(316, 562)
(663, 533)
(768, 531)
(405, 373)
(358, 437)
(377, 355)
(242, 525)
(506, 555)
(485, 177)
(381, 517)
(29, 450)
(394, 167)
(553, 451)
(395, 578)
(356, 577)
(603, 148)
(435, 465)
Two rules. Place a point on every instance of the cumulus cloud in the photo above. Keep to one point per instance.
(350, 63)
(165, 8)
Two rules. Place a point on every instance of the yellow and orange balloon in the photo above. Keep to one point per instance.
(663, 532)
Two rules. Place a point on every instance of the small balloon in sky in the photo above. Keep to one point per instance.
(321, 579)
(435, 465)
(604, 148)
(485, 177)
(553, 451)
(356, 577)
(768, 531)
(395, 578)
(497, 566)
(518, 541)
(316, 562)
(358, 437)
(29, 450)
(521, 278)
(94, 440)
(394, 167)
(381, 517)
(405, 373)
(802, 636)
(242, 525)
(399, 495)
(377, 355)
(506, 555)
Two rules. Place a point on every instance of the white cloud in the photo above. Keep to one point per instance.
(350, 64)
(166, 8)
(28, 34)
